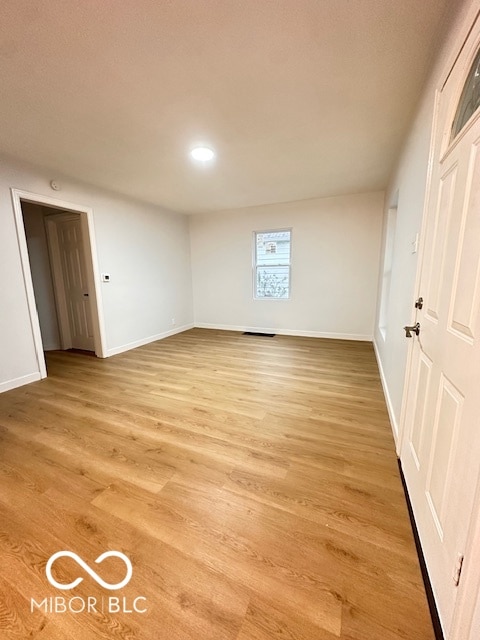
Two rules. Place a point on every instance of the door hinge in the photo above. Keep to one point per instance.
(458, 569)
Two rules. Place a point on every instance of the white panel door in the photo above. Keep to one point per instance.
(74, 272)
(475, 628)
(441, 445)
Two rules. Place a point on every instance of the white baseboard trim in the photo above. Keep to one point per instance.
(386, 393)
(140, 343)
(19, 382)
(287, 332)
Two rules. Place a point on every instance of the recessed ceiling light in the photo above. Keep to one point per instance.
(202, 153)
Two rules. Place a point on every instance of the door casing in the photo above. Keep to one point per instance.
(93, 275)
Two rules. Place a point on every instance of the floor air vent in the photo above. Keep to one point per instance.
(259, 333)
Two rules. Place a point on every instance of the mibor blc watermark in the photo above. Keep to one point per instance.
(89, 604)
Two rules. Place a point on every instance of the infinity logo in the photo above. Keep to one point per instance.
(91, 572)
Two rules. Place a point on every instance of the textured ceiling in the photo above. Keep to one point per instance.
(300, 98)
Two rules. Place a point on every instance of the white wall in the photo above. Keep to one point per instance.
(33, 218)
(144, 248)
(335, 256)
(408, 187)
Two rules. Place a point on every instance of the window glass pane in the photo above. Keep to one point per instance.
(470, 99)
(273, 282)
(272, 264)
(273, 248)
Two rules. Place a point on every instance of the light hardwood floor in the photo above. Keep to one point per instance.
(252, 482)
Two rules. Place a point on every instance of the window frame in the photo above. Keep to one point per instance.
(448, 143)
(465, 83)
(255, 266)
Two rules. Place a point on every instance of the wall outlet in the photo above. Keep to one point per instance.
(173, 322)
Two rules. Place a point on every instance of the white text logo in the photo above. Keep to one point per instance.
(91, 604)
(91, 572)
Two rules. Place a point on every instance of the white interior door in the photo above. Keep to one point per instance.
(475, 628)
(71, 284)
(441, 445)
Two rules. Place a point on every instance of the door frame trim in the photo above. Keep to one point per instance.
(86, 216)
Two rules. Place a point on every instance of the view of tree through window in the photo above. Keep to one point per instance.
(272, 264)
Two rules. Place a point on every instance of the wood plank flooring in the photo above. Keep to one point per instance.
(251, 481)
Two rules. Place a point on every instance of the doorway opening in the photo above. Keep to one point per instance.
(57, 250)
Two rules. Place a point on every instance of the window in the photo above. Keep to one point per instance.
(470, 98)
(272, 264)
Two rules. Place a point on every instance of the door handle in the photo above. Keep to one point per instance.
(85, 295)
(412, 329)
